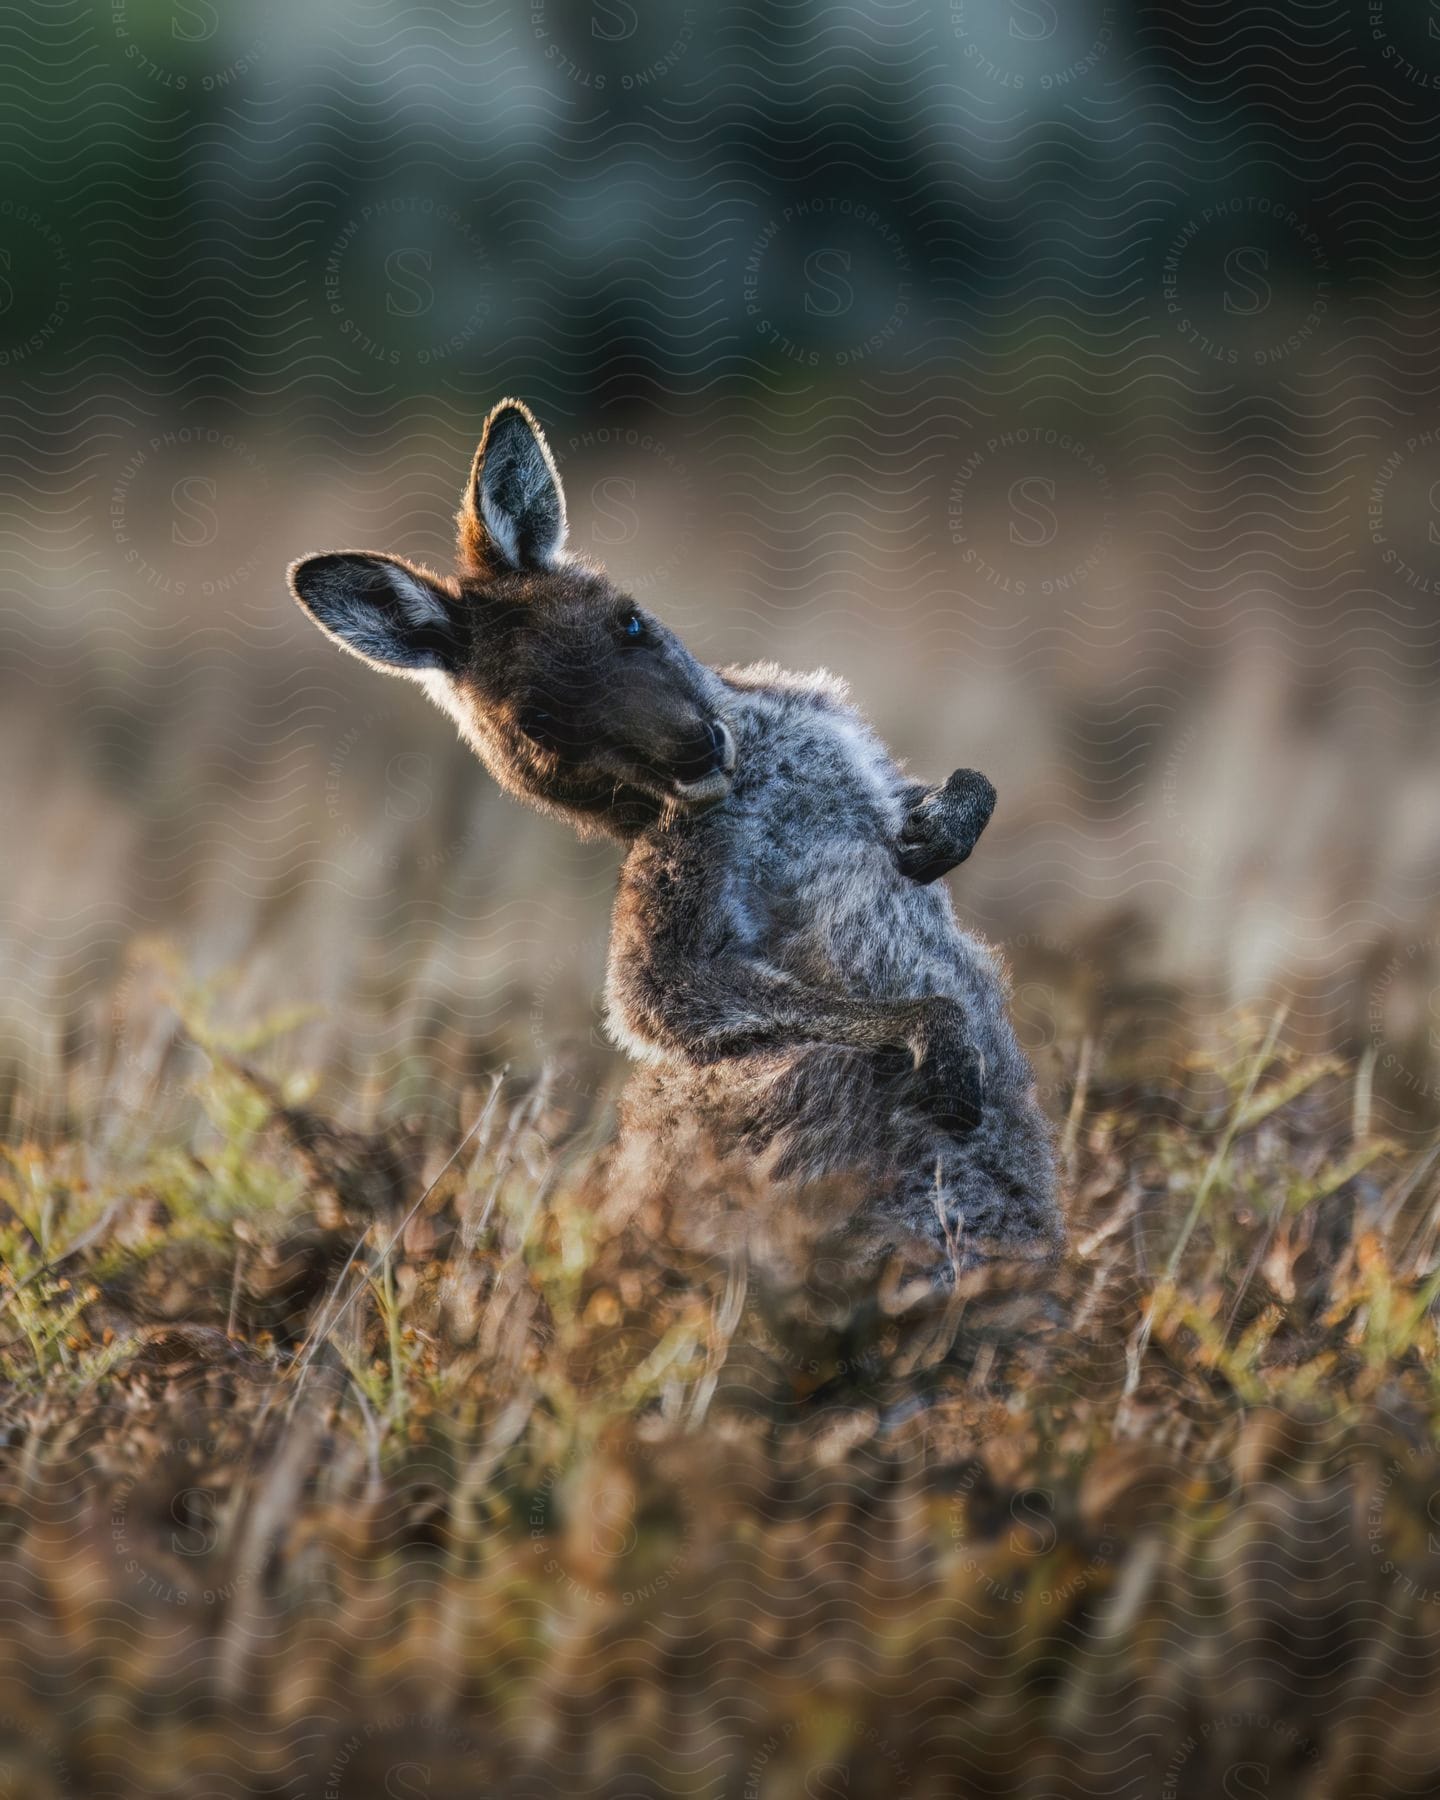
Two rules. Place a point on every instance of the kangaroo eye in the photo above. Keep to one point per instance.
(633, 629)
(538, 725)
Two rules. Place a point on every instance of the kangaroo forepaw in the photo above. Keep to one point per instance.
(945, 826)
(950, 1085)
(936, 1069)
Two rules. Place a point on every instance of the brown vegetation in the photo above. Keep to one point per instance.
(341, 1460)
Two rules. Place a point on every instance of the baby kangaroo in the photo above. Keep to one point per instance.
(782, 961)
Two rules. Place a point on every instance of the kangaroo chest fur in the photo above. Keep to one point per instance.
(797, 869)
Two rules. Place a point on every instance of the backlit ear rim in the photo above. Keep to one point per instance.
(514, 511)
(391, 614)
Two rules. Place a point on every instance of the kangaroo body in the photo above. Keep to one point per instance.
(787, 895)
(794, 984)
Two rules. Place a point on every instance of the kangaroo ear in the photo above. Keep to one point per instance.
(513, 512)
(395, 616)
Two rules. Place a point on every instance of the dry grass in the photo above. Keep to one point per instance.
(394, 1461)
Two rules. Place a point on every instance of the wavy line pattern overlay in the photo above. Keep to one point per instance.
(1065, 376)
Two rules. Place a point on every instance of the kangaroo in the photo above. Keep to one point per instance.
(784, 964)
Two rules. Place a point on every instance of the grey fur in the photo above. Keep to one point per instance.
(520, 498)
(767, 954)
(382, 609)
(782, 963)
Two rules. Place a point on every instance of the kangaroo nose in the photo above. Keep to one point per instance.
(712, 756)
(723, 744)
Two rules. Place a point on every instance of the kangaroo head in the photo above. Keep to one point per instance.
(573, 696)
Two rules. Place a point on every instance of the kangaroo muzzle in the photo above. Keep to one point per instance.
(707, 778)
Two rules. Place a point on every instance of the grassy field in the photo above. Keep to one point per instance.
(1065, 378)
(399, 1461)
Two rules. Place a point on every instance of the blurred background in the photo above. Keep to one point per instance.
(1065, 377)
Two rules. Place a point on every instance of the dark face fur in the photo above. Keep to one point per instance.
(572, 695)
